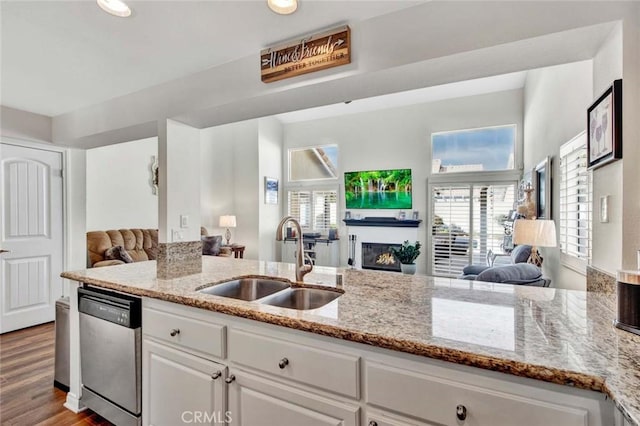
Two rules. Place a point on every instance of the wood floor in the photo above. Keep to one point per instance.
(27, 395)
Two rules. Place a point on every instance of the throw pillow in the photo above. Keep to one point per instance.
(211, 245)
(520, 254)
(522, 273)
(118, 253)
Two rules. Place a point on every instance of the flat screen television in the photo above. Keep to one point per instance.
(378, 189)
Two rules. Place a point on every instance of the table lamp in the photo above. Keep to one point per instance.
(228, 221)
(536, 233)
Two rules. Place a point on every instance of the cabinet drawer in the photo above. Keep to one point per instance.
(331, 371)
(189, 333)
(435, 399)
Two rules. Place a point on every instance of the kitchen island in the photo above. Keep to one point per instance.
(553, 336)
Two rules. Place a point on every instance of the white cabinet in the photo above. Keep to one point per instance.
(289, 248)
(295, 362)
(256, 401)
(278, 376)
(327, 253)
(179, 388)
(323, 252)
(443, 401)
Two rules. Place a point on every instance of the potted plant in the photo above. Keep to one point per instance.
(406, 255)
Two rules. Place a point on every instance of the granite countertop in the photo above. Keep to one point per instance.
(560, 336)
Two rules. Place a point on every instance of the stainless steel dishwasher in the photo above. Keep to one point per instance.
(110, 354)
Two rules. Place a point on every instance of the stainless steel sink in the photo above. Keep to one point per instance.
(246, 288)
(302, 298)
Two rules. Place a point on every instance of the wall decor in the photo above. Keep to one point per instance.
(604, 124)
(313, 53)
(542, 187)
(154, 175)
(416, 215)
(270, 190)
(347, 215)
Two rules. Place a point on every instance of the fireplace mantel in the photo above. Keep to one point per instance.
(389, 222)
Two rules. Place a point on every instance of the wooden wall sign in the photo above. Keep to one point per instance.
(314, 53)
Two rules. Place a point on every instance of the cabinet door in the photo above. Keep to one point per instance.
(289, 251)
(180, 388)
(255, 401)
(328, 253)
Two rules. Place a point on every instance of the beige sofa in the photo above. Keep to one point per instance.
(140, 244)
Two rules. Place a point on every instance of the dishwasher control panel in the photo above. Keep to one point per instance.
(119, 310)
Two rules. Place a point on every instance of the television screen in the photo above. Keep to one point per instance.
(378, 189)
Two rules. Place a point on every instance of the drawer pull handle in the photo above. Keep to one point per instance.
(230, 379)
(216, 374)
(174, 332)
(283, 363)
(373, 423)
(461, 412)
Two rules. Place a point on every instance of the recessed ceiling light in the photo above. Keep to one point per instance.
(283, 7)
(115, 7)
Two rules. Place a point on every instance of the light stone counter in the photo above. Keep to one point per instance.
(560, 336)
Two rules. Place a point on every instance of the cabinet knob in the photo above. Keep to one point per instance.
(230, 379)
(174, 332)
(283, 363)
(373, 423)
(461, 412)
(216, 374)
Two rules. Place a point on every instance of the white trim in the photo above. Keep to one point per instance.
(506, 176)
(573, 263)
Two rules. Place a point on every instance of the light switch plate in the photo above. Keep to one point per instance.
(184, 221)
(604, 209)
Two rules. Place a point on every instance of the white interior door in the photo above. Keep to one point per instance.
(31, 231)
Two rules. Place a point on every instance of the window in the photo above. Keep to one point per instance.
(486, 149)
(320, 162)
(575, 199)
(467, 221)
(316, 210)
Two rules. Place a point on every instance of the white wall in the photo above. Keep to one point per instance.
(400, 138)
(607, 180)
(270, 165)
(119, 194)
(230, 181)
(179, 181)
(556, 100)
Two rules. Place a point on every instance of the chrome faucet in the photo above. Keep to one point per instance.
(301, 268)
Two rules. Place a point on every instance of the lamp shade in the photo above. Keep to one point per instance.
(537, 233)
(227, 221)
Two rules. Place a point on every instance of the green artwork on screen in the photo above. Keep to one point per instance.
(378, 189)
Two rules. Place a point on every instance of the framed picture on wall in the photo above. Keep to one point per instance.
(604, 124)
(270, 190)
(542, 186)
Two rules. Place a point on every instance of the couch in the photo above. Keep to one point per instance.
(137, 245)
(519, 272)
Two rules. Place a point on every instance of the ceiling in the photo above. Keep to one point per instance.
(59, 56)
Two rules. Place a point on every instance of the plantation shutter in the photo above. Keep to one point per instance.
(467, 221)
(315, 210)
(575, 199)
(451, 221)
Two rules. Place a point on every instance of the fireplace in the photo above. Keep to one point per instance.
(378, 256)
